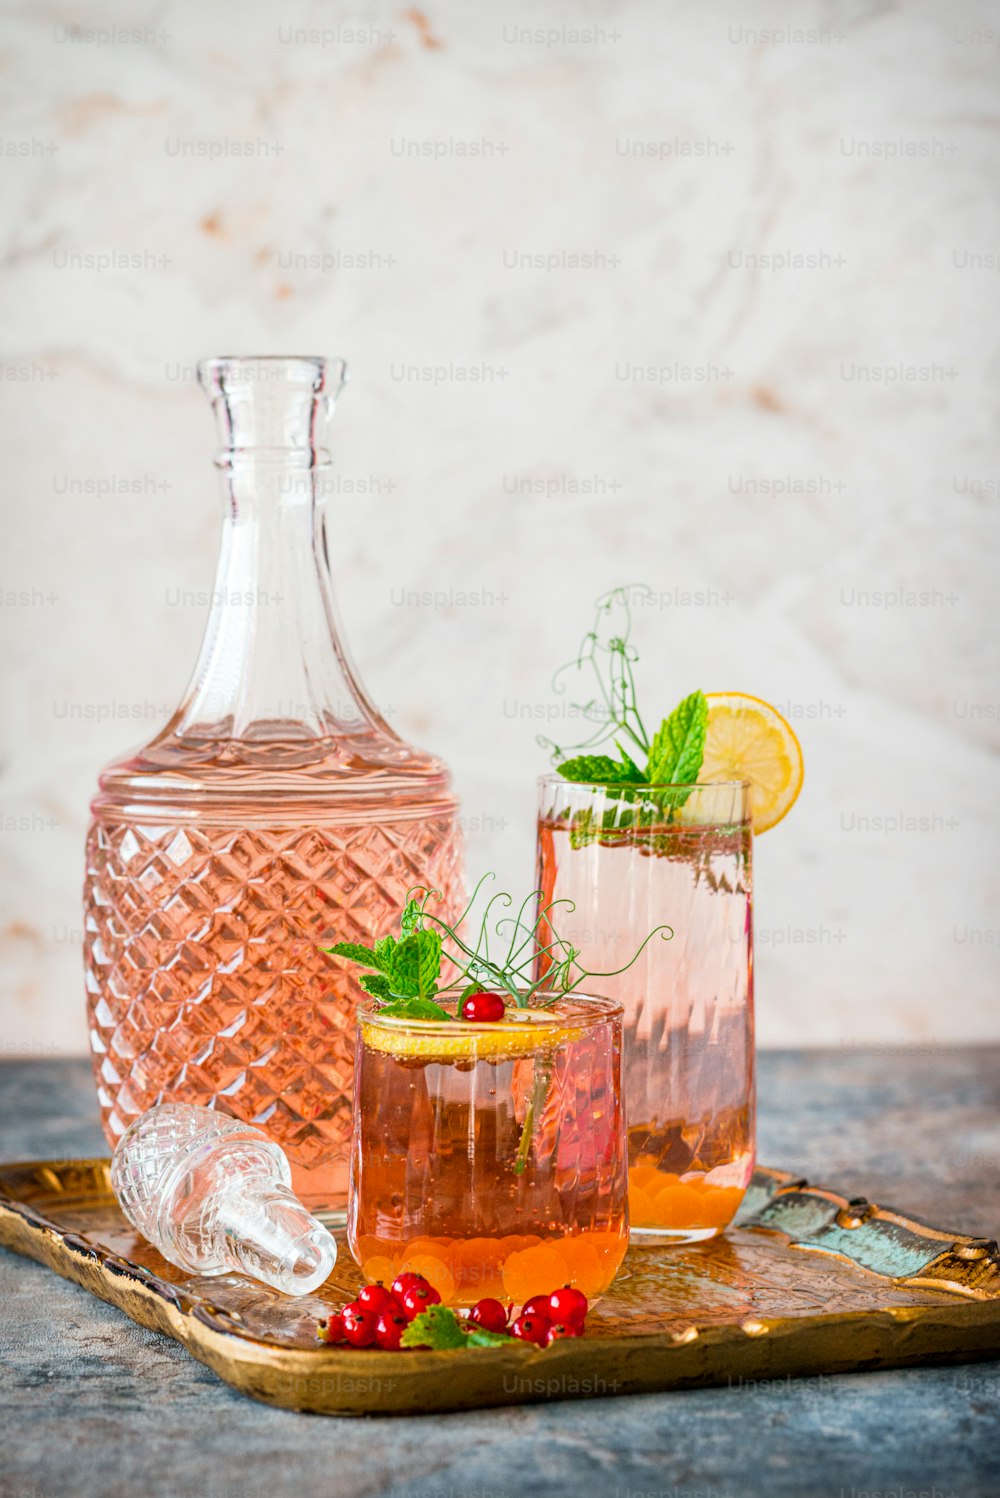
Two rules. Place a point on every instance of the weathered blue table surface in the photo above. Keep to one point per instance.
(91, 1404)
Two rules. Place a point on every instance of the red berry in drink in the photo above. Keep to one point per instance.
(359, 1325)
(568, 1305)
(403, 1281)
(538, 1305)
(376, 1298)
(560, 1329)
(417, 1298)
(531, 1329)
(490, 1315)
(483, 1008)
(332, 1329)
(389, 1328)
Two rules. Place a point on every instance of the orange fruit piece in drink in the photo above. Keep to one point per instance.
(678, 1206)
(534, 1271)
(426, 1245)
(614, 1241)
(368, 1246)
(516, 1241)
(587, 1271)
(640, 1207)
(433, 1269)
(642, 1173)
(718, 1205)
(378, 1270)
(476, 1266)
(594, 1260)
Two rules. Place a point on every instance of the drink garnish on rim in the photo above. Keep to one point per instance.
(708, 738)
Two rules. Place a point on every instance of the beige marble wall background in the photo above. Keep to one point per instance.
(368, 181)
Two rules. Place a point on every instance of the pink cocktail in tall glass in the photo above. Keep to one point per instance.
(626, 861)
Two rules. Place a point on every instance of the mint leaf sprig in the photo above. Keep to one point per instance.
(678, 747)
(674, 754)
(407, 969)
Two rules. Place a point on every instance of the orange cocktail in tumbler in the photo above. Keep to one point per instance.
(491, 1158)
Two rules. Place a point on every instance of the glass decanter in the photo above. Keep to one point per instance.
(275, 813)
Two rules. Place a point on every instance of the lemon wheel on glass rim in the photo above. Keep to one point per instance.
(748, 739)
(522, 1033)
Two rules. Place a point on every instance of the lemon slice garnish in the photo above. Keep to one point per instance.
(522, 1033)
(747, 739)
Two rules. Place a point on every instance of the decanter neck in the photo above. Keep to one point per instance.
(273, 667)
(276, 407)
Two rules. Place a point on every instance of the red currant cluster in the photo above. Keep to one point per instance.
(379, 1317)
(544, 1319)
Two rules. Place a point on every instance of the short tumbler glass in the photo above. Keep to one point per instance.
(491, 1158)
(623, 862)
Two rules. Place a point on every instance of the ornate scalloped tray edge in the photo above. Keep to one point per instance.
(807, 1283)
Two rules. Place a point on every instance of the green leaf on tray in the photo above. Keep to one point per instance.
(441, 1330)
(437, 1328)
(478, 1336)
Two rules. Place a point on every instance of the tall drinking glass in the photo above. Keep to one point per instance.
(625, 861)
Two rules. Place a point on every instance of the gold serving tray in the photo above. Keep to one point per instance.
(808, 1283)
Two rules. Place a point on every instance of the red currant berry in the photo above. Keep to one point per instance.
(389, 1328)
(531, 1329)
(359, 1325)
(538, 1305)
(568, 1305)
(331, 1330)
(490, 1315)
(403, 1281)
(560, 1329)
(376, 1298)
(483, 1008)
(417, 1298)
